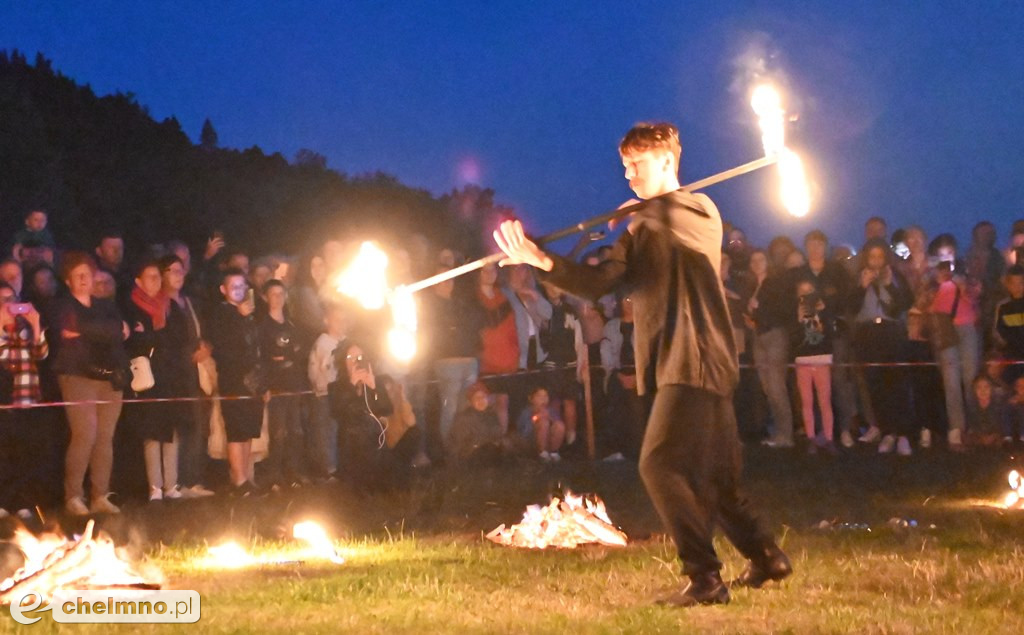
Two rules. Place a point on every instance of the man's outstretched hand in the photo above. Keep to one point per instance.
(520, 250)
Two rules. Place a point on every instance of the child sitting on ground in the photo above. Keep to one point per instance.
(989, 420)
(476, 435)
(537, 422)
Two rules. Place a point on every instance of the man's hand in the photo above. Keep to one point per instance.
(520, 250)
(213, 247)
(247, 308)
(867, 276)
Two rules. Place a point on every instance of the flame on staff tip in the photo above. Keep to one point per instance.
(796, 196)
(365, 280)
(230, 555)
(315, 536)
(402, 336)
(771, 118)
(767, 106)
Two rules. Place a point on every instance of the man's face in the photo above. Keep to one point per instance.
(239, 261)
(649, 172)
(875, 229)
(816, 249)
(45, 283)
(11, 274)
(183, 254)
(985, 235)
(234, 289)
(111, 252)
(276, 297)
(336, 322)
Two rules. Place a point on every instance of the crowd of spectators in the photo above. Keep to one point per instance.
(143, 373)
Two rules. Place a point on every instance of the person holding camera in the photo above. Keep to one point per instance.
(813, 336)
(92, 370)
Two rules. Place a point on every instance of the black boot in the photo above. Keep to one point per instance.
(773, 566)
(704, 588)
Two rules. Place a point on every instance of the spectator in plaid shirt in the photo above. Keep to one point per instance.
(22, 344)
(22, 450)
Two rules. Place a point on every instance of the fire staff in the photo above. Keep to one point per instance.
(669, 259)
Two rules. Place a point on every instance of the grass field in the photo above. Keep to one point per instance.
(417, 563)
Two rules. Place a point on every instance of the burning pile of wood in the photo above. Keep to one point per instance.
(53, 563)
(563, 523)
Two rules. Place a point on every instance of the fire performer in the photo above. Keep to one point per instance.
(690, 461)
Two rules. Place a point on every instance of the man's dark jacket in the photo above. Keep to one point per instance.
(669, 261)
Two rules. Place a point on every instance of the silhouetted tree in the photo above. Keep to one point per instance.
(208, 137)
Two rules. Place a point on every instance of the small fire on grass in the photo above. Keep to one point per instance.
(54, 563)
(1015, 498)
(231, 555)
(564, 523)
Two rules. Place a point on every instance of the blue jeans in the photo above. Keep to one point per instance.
(454, 376)
(771, 354)
(959, 366)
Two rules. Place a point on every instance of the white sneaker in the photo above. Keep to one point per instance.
(24, 514)
(955, 437)
(887, 445)
(173, 493)
(196, 491)
(612, 458)
(903, 447)
(555, 457)
(926, 438)
(102, 505)
(76, 506)
(871, 436)
(155, 494)
(846, 439)
(544, 456)
(421, 460)
(4, 513)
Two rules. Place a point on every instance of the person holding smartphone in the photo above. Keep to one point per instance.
(22, 454)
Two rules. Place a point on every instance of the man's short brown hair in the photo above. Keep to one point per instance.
(652, 136)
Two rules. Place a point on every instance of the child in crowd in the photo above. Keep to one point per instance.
(35, 236)
(538, 422)
(989, 421)
(1010, 323)
(476, 435)
(1016, 412)
(812, 345)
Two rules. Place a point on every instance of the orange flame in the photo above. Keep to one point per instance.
(767, 105)
(564, 524)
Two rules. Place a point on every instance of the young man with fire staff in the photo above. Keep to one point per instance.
(690, 462)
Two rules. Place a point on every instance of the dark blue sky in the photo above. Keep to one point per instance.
(911, 112)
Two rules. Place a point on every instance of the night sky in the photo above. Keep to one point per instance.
(914, 113)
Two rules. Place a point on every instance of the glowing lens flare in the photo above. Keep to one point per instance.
(365, 280)
(315, 536)
(771, 118)
(402, 336)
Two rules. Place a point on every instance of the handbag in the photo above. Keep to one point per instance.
(142, 373)
(941, 329)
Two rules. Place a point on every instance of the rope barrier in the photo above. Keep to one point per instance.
(521, 373)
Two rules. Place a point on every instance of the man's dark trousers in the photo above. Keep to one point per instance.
(690, 463)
